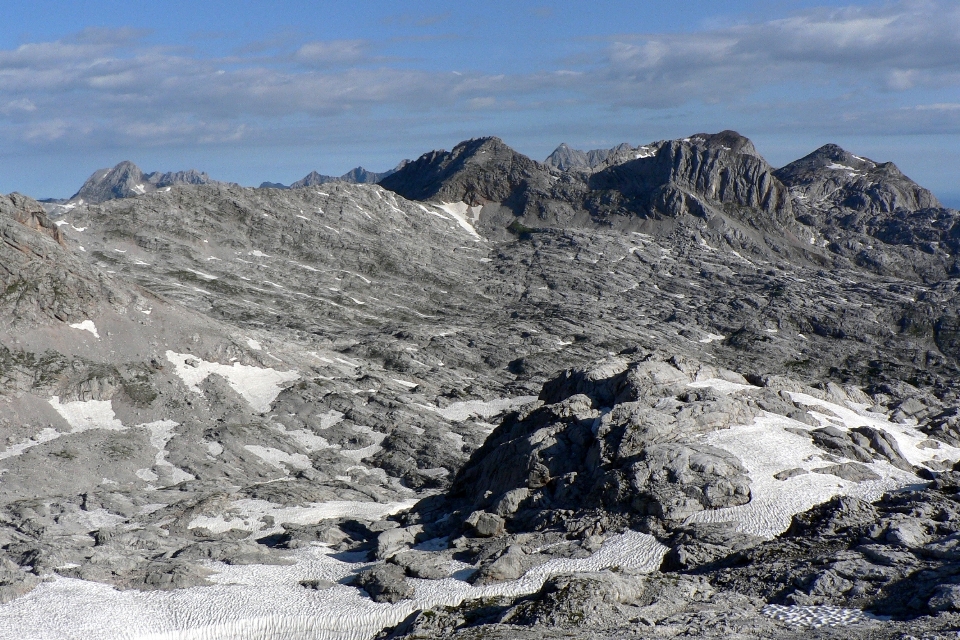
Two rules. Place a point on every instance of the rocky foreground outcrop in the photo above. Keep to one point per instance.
(625, 444)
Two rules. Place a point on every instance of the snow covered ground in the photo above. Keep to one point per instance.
(767, 447)
(258, 386)
(268, 602)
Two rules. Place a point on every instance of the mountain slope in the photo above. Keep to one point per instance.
(874, 215)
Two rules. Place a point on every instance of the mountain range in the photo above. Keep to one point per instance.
(650, 391)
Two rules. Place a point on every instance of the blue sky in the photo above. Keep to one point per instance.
(251, 91)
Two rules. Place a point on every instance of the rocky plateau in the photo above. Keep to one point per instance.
(652, 391)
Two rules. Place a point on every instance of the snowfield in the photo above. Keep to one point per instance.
(268, 602)
(767, 447)
(258, 386)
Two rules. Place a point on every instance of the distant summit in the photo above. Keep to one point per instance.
(834, 176)
(475, 171)
(358, 175)
(566, 158)
(126, 180)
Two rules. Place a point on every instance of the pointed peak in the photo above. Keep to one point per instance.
(832, 151)
(124, 165)
(313, 179)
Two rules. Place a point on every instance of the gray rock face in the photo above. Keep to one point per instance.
(40, 279)
(688, 176)
(422, 564)
(612, 437)
(856, 203)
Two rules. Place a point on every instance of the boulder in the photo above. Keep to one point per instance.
(385, 583)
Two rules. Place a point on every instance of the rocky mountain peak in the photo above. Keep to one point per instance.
(126, 179)
(566, 158)
(830, 156)
(483, 151)
(312, 179)
(357, 175)
(697, 176)
(832, 177)
(475, 171)
(119, 181)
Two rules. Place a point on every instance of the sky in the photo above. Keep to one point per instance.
(256, 91)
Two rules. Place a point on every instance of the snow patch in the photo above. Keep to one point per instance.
(721, 386)
(460, 411)
(817, 617)
(644, 152)
(769, 446)
(161, 433)
(842, 167)
(84, 415)
(205, 276)
(463, 214)
(86, 325)
(247, 514)
(45, 435)
(359, 454)
(268, 601)
(258, 386)
(279, 458)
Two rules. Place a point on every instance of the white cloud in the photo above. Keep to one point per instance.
(898, 47)
(107, 87)
(333, 52)
(940, 106)
(22, 105)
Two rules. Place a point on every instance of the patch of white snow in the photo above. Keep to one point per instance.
(258, 386)
(86, 325)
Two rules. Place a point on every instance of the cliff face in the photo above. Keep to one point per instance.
(684, 176)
